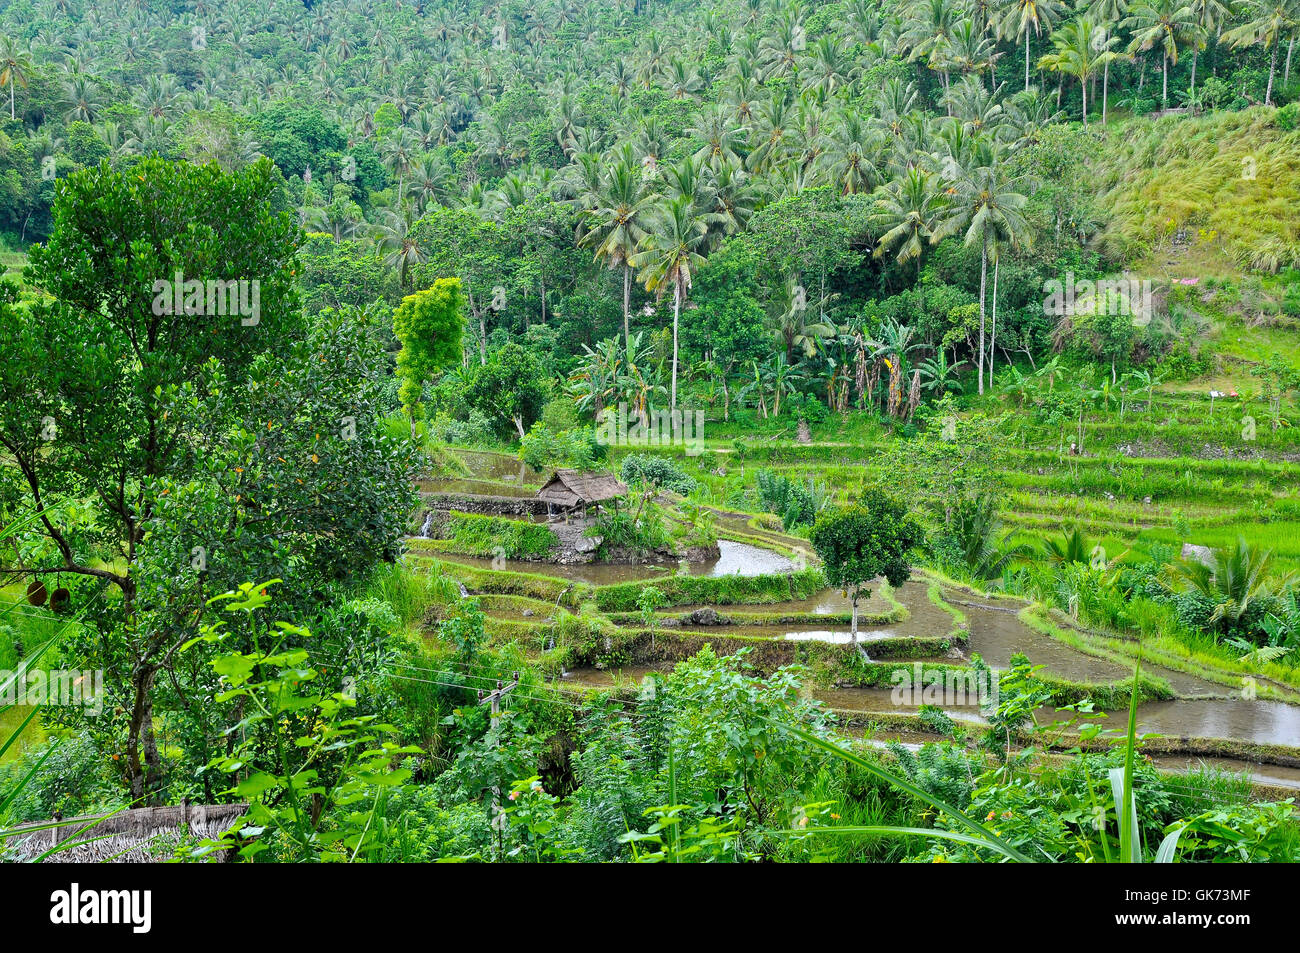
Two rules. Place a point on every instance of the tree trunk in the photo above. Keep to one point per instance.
(142, 778)
(984, 274)
(993, 335)
(677, 310)
(1272, 68)
(627, 292)
(1105, 90)
(1026, 59)
(1286, 73)
(1084, 86)
(1195, 53)
(1164, 82)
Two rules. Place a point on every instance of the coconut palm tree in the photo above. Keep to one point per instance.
(1080, 48)
(852, 159)
(1106, 14)
(615, 225)
(672, 251)
(394, 235)
(1023, 17)
(15, 66)
(1267, 22)
(908, 209)
(1167, 24)
(81, 97)
(1208, 16)
(987, 207)
(797, 326)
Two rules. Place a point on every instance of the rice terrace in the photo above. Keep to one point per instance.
(657, 431)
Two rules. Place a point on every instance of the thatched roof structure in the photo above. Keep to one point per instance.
(575, 488)
(141, 836)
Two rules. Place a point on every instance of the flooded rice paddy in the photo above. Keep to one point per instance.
(995, 633)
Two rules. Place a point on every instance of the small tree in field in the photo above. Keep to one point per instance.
(859, 543)
(430, 325)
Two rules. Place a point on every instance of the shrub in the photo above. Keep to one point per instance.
(542, 447)
(658, 472)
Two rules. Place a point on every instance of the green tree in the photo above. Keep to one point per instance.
(1267, 22)
(15, 67)
(201, 442)
(859, 543)
(510, 387)
(429, 324)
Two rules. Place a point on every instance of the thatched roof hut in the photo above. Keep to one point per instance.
(570, 488)
(144, 835)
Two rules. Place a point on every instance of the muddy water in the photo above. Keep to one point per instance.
(1266, 722)
(997, 635)
(736, 559)
(1274, 774)
(500, 467)
(925, 619)
(605, 678)
(1263, 722)
(741, 559)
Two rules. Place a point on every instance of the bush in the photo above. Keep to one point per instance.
(796, 503)
(1288, 117)
(542, 448)
(657, 472)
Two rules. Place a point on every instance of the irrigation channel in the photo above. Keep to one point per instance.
(1206, 720)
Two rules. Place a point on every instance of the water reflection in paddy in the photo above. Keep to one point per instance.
(739, 559)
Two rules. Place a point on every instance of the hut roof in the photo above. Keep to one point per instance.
(142, 835)
(572, 487)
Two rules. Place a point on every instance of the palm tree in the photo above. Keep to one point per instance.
(987, 207)
(672, 251)
(1080, 48)
(15, 65)
(1073, 547)
(852, 160)
(1208, 17)
(82, 99)
(1268, 21)
(908, 209)
(1235, 579)
(394, 235)
(1022, 16)
(792, 319)
(1164, 23)
(1107, 15)
(616, 224)
(986, 546)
